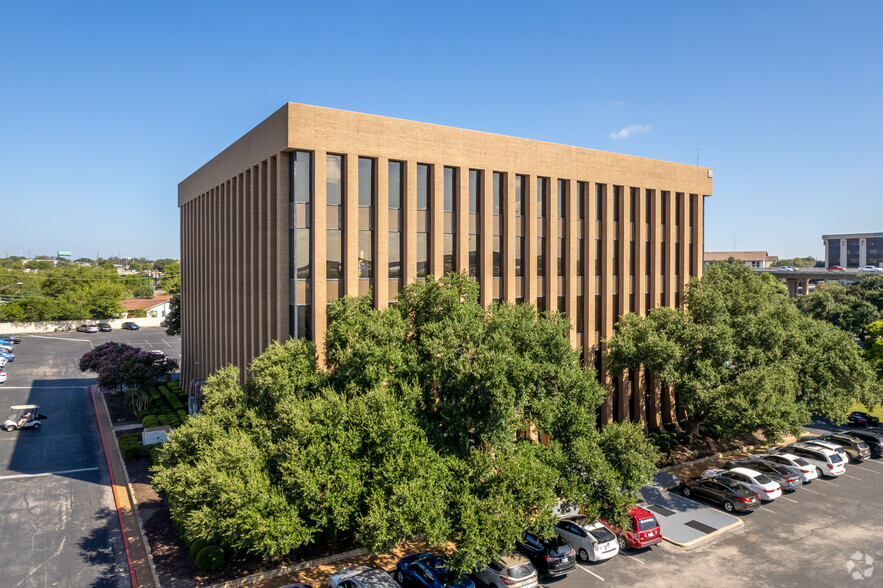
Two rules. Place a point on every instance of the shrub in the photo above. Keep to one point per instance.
(182, 414)
(688, 439)
(671, 426)
(197, 546)
(140, 416)
(210, 558)
(664, 445)
(163, 420)
(130, 446)
(149, 421)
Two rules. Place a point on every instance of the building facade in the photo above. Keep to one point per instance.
(854, 250)
(753, 259)
(314, 204)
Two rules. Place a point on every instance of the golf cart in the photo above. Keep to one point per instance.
(23, 416)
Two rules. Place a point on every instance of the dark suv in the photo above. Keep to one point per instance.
(731, 495)
(855, 448)
(872, 438)
(104, 327)
(552, 557)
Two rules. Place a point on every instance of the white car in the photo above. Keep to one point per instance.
(829, 463)
(795, 465)
(361, 577)
(828, 445)
(870, 269)
(592, 542)
(765, 487)
(2, 376)
(512, 571)
(3, 362)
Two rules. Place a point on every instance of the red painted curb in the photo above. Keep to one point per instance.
(113, 486)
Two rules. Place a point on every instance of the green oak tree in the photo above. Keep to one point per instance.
(426, 422)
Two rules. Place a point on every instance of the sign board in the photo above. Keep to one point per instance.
(63, 253)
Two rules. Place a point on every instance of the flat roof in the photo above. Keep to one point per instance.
(851, 236)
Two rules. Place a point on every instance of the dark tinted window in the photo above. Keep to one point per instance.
(647, 524)
(602, 535)
(522, 571)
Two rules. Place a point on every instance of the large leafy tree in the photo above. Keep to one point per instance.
(740, 354)
(850, 308)
(425, 422)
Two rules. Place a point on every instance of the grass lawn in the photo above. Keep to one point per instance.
(877, 412)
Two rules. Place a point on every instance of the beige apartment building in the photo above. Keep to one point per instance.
(314, 204)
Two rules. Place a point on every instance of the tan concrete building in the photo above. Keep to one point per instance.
(755, 259)
(316, 203)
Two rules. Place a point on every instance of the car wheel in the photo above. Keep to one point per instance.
(623, 544)
(729, 506)
(583, 554)
(9, 428)
(400, 577)
(36, 426)
(686, 491)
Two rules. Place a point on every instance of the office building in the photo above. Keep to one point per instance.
(854, 250)
(315, 203)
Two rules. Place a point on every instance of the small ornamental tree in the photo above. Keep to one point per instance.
(118, 364)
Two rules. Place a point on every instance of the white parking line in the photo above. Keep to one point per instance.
(865, 469)
(789, 499)
(591, 572)
(167, 343)
(148, 342)
(636, 558)
(59, 338)
(48, 474)
(813, 491)
(853, 477)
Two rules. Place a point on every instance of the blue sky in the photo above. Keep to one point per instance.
(106, 106)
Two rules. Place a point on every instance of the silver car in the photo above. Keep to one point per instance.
(361, 577)
(592, 542)
(510, 571)
(796, 465)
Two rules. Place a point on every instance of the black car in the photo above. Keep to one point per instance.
(13, 338)
(787, 480)
(130, 326)
(873, 439)
(855, 448)
(862, 419)
(552, 557)
(731, 495)
(104, 327)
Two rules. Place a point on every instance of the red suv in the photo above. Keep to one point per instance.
(644, 530)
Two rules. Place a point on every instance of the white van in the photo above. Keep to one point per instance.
(830, 464)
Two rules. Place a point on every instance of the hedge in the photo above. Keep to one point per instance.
(210, 558)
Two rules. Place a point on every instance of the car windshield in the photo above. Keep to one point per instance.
(602, 535)
(647, 524)
(518, 572)
(558, 546)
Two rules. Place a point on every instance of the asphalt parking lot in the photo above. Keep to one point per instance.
(806, 538)
(58, 523)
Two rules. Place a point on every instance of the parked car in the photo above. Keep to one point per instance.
(762, 485)
(870, 269)
(3, 362)
(828, 462)
(816, 440)
(2, 376)
(787, 480)
(6, 348)
(105, 327)
(512, 571)
(731, 495)
(835, 268)
(551, 557)
(796, 465)
(873, 439)
(7, 355)
(87, 329)
(361, 577)
(857, 450)
(429, 570)
(129, 326)
(14, 338)
(643, 530)
(862, 419)
(592, 542)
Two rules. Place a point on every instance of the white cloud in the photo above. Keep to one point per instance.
(624, 133)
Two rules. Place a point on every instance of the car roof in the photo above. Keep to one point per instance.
(746, 471)
(814, 447)
(23, 406)
(511, 560)
(637, 511)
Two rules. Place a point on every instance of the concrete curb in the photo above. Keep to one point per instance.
(695, 542)
(276, 572)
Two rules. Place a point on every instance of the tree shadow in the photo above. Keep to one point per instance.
(97, 549)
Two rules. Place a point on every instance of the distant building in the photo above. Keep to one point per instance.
(749, 258)
(854, 250)
(156, 306)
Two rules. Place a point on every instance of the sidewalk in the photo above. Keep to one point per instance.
(136, 547)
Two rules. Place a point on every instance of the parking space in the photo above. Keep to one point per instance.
(58, 524)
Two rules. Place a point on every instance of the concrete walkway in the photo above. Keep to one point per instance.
(136, 547)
